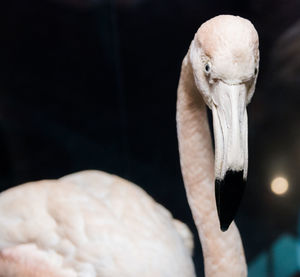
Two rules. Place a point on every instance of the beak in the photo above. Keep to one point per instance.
(230, 126)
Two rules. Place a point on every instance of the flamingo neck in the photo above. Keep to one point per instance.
(222, 251)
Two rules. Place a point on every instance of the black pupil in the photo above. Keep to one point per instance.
(255, 71)
(207, 68)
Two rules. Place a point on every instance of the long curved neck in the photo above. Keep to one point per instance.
(223, 251)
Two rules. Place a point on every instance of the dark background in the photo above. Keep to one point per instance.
(92, 85)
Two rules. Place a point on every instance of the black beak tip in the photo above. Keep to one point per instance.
(229, 192)
(224, 227)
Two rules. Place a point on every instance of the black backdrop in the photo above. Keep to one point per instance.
(92, 85)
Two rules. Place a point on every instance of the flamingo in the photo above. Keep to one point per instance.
(92, 223)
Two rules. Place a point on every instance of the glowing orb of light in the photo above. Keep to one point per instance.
(279, 185)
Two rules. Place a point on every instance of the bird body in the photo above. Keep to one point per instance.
(92, 224)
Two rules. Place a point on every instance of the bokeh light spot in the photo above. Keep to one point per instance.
(279, 185)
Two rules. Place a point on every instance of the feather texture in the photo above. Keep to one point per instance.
(92, 224)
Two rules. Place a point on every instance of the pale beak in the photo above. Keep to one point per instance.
(231, 148)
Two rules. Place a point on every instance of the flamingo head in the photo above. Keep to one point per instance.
(225, 60)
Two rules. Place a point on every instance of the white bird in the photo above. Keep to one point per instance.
(95, 224)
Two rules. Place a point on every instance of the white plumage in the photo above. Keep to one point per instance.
(91, 224)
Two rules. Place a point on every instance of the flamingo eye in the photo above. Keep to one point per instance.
(207, 68)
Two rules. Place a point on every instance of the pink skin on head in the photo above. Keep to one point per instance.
(229, 38)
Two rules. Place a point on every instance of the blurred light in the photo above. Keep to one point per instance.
(279, 185)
